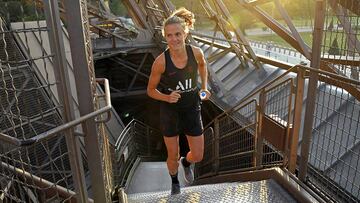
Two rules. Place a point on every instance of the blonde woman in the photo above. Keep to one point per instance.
(177, 69)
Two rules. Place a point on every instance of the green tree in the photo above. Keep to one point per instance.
(117, 8)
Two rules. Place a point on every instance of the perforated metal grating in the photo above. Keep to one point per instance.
(261, 191)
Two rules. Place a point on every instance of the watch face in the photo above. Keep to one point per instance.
(203, 95)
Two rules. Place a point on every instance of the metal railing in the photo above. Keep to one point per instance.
(263, 130)
(55, 131)
(137, 140)
(334, 147)
(46, 177)
(44, 150)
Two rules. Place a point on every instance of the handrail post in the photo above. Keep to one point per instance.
(311, 95)
(259, 137)
(64, 94)
(82, 60)
(216, 146)
(297, 119)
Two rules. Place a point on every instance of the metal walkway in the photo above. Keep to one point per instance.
(260, 191)
(152, 176)
(151, 183)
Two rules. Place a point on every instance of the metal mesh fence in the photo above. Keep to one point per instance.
(28, 108)
(277, 107)
(138, 140)
(334, 154)
(233, 142)
(36, 173)
(341, 37)
(207, 165)
(278, 101)
(239, 142)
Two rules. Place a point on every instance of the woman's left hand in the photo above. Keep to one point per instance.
(204, 94)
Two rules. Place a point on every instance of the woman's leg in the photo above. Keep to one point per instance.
(172, 146)
(196, 145)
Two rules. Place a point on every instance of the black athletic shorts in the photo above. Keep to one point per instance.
(174, 120)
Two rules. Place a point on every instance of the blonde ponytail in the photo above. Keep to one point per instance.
(183, 17)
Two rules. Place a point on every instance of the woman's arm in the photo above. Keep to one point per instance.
(202, 67)
(158, 68)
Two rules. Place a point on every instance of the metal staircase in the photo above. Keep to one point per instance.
(266, 190)
(56, 138)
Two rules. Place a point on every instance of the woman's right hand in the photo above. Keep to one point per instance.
(174, 96)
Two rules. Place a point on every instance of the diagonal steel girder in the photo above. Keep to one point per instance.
(108, 18)
(293, 37)
(351, 39)
(148, 15)
(222, 24)
(353, 42)
(352, 5)
(96, 12)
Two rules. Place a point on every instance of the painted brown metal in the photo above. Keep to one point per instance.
(260, 136)
(325, 66)
(47, 188)
(347, 62)
(304, 48)
(81, 49)
(274, 132)
(298, 190)
(352, 5)
(276, 27)
(239, 34)
(313, 84)
(297, 120)
(62, 76)
(348, 87)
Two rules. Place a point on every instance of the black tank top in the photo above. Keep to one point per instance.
(184, 80)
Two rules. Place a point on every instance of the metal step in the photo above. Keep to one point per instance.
(260, 191)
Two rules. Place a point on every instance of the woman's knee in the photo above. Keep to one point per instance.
(197, 156)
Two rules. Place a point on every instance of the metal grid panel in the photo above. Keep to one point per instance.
(236, 142)
(136, 140)
(334, 150)
(334, 153)
(25, 171)
(271, 156)
(30, 108)
(278, 102)
(278, 105)
(341, 36)
(26, 104)
(207, 164)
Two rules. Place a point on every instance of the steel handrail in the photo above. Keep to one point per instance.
(53, 132)
(228, 111)
(332, 75)
(124, 131)
(127, 128)
(41, 182)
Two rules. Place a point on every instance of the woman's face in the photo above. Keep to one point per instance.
(175, 36)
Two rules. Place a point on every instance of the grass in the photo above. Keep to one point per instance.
(275, 39)
(307, 37)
